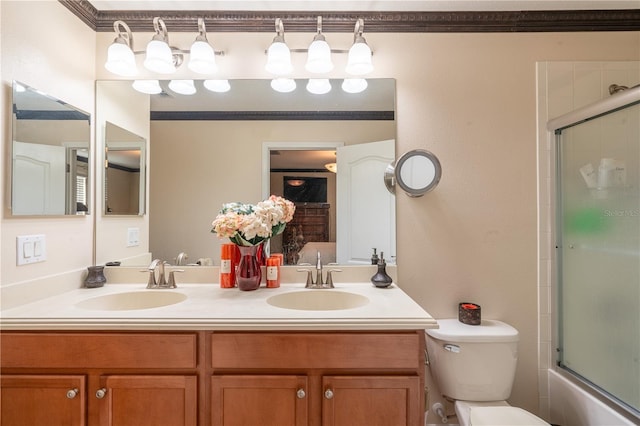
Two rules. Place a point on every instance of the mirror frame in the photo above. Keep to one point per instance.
(413, 191)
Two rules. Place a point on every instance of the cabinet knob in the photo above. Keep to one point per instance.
(328, 394)
(71, 393)
(301, 394)
(100, 393)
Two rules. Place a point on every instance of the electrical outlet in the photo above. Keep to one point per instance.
(133, 237)
(30, 249)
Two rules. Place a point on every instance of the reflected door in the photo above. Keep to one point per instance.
(38, 179)
(366, 209)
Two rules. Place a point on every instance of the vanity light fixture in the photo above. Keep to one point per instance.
(354, 85)
(283, 85)
(120, 56)
(359, 60)
(159, 57)
(219, 86)
(150, 87)
(182, 87)
(319, 53)
(295, 182)
(318, 86)
(203, 58)
(278, 54)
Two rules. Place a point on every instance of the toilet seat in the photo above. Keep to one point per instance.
(495, 413)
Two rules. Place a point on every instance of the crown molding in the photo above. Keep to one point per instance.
(383, 22)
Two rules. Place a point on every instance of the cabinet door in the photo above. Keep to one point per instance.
(371, 401)
(148, 400)
(42, 400)
(251, 400)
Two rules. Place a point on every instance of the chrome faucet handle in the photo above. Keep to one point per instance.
(152, 283)
(329, 282)
(162, 279)
(172, 278)
(310, 283)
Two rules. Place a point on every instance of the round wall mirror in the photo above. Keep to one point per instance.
(418, 172)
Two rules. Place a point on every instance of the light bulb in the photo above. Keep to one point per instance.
(159, 57)
(121, 60)
(319, 56)
(202, 58)
(279, 59)
(359, 60)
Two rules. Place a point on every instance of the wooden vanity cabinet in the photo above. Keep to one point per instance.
(43, 400)
(317, 378)
(205, 378)
(119, 379)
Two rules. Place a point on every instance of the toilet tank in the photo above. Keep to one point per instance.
(473, 362)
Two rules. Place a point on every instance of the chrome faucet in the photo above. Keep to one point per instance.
(319, 282)
(161, 281)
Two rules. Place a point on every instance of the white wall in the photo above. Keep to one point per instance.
(469, 98)
(64, 67)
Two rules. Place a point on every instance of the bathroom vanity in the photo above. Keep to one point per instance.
(216, 357)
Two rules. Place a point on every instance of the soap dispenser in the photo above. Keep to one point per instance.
(374, 257)
(381, 279)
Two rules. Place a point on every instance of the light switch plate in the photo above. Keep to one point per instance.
(133, 237)
(30, 249)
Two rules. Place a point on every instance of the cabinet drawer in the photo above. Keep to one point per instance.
(317, 350)
(95, 350)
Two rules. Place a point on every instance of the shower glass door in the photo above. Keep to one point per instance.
(598, 229)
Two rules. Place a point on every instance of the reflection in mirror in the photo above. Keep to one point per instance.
(124, 182)
(418, 172)
(207, 149)
(50, 155)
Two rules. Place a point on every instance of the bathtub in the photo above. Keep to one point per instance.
(570, 405)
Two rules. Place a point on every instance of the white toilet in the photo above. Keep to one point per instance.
(475, 366)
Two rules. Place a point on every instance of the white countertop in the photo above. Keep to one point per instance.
(209, 307)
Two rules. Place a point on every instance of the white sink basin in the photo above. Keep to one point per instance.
(318, 300)
(132, 300)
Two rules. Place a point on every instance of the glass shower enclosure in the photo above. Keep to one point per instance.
(598, 248)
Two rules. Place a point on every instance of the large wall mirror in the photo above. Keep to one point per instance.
(124, 176)
(50, 155)
(212, 148)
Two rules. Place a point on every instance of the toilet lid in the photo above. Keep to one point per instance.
(504, 416)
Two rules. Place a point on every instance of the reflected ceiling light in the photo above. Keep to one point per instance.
(354, 85)
(278, 54)
(318, 86)
(120, 56)
(219, 86)
(203, 58)
(182, 87)
(332, 167)
(359, 60)
(150, 87)
(295, 182)
(319, 53)
(283, 85)
(159, 57)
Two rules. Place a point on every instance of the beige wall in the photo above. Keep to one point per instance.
(469, 98)
(62, 66)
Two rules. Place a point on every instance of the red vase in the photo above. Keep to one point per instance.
(249, 274)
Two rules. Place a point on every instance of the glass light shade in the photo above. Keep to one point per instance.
(183, 87)
(318, 86)
(332, 167)
(202, 58)
(279, 59)
(219, 86)
(283, 85)
(159, 58)
(319, 57)
(354, 85)
(359, 61)
(121, 60)
(151, 87)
